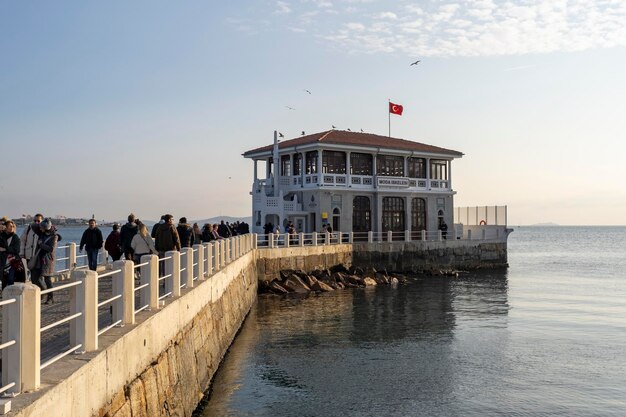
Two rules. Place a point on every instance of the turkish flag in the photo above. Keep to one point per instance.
(395, 109)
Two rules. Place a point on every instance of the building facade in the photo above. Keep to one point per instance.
(355, 182)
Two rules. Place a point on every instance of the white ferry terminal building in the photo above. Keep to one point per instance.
(356, 182)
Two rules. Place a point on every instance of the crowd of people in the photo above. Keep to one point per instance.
(33, 253)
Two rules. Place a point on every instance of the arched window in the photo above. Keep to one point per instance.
(361, 216)
(336, 219)
(393, 214)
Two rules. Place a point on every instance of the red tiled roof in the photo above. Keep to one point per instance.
(342, 137)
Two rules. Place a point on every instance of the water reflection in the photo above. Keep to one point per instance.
(378, 351)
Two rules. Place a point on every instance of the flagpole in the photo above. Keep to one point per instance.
(389, 115)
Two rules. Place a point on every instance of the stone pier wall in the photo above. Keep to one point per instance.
(271, 261)
(428, 255)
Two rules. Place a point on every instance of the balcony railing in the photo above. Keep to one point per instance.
(288, 183)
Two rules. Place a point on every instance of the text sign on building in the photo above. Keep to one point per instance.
(393, 182)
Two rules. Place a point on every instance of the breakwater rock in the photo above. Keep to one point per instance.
(324, 280)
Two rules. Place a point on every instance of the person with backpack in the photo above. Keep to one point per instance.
(185, 233)
(41, 264)
(113, 245)
(142, 243)
(29, 238)
(126, 236)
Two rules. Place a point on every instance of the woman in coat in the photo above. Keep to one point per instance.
(142, 243)
(43, 265)
(9, 254)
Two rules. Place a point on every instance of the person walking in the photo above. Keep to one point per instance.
(10, 262)
(142, 243)
(197, 234)
(42, 262)
(223, 230)
(113, 244)
(167, 238)
(156, 226)
(207, 233)
(92, 242)
(126, 236)
(185, 233)
(29, 239)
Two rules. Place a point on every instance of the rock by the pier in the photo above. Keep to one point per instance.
(381, 278)
(394, 282)
(356, 270)
(294, 284)
(369, 282)
(339, 268)
(321, 287)
(353, 281)
(309, 280)
(276, 288)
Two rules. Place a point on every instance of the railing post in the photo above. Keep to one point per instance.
(208, 269)
(216, 255)
(407, 235)
(223, 244)
(351, 237)
(21, 321)
(71, 254)
(439, 235)
(105, 256)
(199, 269)
(123, 283)
(314, 238)
(287, 240)
(389, 235)
(150, 275)
(172, 266)
(423, 234)
(370, 236)
(186, 263)
(270, 237)
(326, 238)
(84, 299)
(255, 241)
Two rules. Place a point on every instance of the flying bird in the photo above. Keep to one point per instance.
(361, 130)
(415, 63)
(303, 133)
(334, 127)
(348, 129)
(308, 91)
(290, 108)
(280, 135)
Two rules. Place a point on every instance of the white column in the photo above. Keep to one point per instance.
(216, 255)
(124, 285)
(21, 321)
(351, 237)
(209, 259)
(301, 239)
(423, 234)
(186, 267)
(172, 267)
(84, 299)
(149, 275)
(71, 253)
(199, 258)
(348, 170)
(287, 240)
(314, 238)
(407, 235)
(223, 244)
(370, 236)
(389, 235)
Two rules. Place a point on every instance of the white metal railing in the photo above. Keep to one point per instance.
(159, 280)
(481, 215)
(67, 258)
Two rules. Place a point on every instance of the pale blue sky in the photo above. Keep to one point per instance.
(146, 106)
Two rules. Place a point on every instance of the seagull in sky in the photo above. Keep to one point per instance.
(307, 91)
(348, 129)
(334, 127)
(303, 133)
(280, 135)
(361, 130)
(290, 108)
(415, 63)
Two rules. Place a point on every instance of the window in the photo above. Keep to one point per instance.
(285, 166)
(361, 215)
(418, 214)
(390, 166)
(297, 163)
(333, 162)
(393, 214)
(361, 164)
(438, 169)
(311, 162)
(336, 220)
(416, 167)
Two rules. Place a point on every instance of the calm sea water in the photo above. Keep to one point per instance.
(545, 337)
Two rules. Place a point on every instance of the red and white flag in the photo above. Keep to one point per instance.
(395, 108)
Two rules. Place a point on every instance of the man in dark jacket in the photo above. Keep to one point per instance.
(156, 226)
(129, 230)
(92, 242)
(167, 238)
(9, 254)
(185, 233)
(223, 230)
(112, 244)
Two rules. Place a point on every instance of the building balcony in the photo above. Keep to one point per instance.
(361, 182)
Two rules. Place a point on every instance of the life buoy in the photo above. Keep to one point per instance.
(483, 223)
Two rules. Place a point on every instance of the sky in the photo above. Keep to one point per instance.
(114, 107)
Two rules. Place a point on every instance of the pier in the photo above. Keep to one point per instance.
(109, 330)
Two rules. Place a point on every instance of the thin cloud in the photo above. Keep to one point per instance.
(464, 27)
(521, 67)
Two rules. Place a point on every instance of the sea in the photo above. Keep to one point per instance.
(544, 337)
